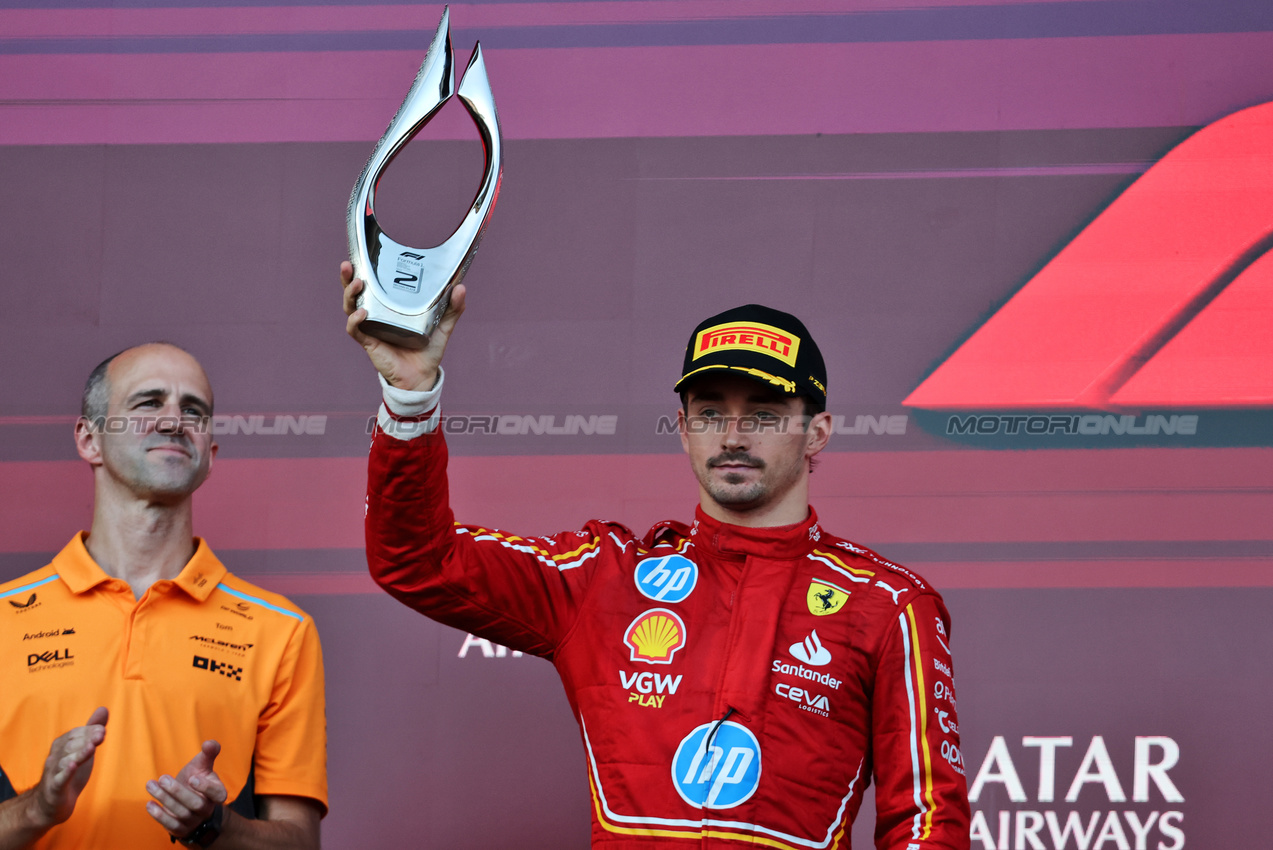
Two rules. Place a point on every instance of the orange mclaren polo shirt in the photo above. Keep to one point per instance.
(204, 656)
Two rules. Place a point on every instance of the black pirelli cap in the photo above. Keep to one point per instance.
(762, 343)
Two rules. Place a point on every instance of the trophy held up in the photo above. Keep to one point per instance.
(408, 289)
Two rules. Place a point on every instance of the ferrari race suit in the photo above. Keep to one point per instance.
(732, 685)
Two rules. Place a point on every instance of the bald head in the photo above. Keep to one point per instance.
(95, 402)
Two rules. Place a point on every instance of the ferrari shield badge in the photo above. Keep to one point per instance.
(825, 598)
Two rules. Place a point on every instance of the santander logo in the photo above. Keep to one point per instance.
(811, 650)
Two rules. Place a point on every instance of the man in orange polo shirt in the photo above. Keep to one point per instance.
(142, 686)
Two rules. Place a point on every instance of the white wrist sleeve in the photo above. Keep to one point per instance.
(406, 414)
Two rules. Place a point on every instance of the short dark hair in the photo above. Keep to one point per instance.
(97, 390)
(812, 407)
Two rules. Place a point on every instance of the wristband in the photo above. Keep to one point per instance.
(205, 833)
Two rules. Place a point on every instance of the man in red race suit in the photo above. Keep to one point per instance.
(738, 680)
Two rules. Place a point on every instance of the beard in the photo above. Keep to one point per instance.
(729, 494)
(736, 489)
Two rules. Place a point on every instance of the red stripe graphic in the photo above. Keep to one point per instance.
(1150, 265)
(1223, 357)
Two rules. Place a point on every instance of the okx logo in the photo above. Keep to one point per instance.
(213, 666)
(717, 766)
(668, 579)
(811, 651)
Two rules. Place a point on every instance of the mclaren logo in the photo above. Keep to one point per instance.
(748, 336)
(236, 648)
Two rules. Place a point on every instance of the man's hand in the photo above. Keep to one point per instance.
(67, 769)
(404, 368)
(184, 802)
(27, 817)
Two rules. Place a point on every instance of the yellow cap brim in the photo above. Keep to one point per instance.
(783, 384)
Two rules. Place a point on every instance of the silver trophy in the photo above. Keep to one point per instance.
(407, 290)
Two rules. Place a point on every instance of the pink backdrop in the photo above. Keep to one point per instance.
(894, 172)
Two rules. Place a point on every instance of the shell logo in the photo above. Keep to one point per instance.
(655, 636)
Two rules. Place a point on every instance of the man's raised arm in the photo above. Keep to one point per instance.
(521, 592)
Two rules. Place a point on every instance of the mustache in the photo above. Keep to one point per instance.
(735, 458)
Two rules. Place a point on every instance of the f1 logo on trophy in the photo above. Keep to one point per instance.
(408, 289)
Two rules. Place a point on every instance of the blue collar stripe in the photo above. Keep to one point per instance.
(241, 595)
(25, 587)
